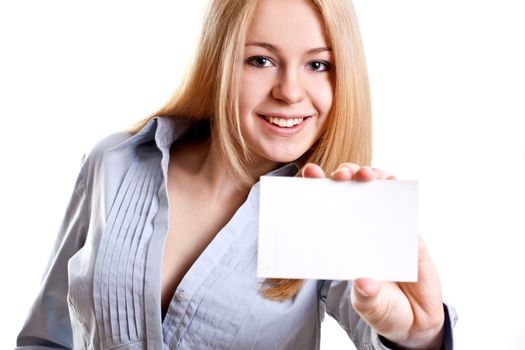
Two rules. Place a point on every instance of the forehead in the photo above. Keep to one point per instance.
(293, 23)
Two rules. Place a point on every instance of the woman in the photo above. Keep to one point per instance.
(158, 246)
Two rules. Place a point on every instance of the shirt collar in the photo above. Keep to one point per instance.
(289, 169)
(162, 130)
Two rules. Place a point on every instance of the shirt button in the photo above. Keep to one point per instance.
(179, 295)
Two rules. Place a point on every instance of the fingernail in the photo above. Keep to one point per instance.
(342, 170)
(362, 292)
(345, 169)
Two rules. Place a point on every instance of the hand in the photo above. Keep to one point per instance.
(410, 315)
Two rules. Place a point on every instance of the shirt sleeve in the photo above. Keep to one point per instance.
(335, 295)
(48, 324)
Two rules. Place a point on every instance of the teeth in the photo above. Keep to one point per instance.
(283, 122)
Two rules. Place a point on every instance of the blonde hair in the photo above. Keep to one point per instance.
(211, 88)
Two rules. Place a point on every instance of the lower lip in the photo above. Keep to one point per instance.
(284, 131)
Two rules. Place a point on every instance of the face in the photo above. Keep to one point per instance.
(287, 82)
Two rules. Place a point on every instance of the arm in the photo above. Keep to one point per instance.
(48, 324)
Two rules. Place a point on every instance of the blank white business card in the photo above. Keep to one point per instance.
(341, 230)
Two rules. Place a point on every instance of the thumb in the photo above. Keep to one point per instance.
(366, 300)
(367, 287)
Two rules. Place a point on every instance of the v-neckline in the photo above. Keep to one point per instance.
(208, 258)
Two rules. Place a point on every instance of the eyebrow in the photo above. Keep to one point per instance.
(275, 49)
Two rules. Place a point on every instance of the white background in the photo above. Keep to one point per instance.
(448, 98)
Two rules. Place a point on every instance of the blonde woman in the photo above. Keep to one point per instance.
(158, 246)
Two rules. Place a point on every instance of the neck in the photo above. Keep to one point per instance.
(205, 163)
(215, 174)
(215, 168)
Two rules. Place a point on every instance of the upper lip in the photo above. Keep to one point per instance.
(285, 116)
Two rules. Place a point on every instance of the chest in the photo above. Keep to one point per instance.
(194, 219)
(190, 231)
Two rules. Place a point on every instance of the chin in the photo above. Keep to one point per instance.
(278, 152)
(284, 157)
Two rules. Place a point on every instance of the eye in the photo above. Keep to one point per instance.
(318, 66)
(260, 61)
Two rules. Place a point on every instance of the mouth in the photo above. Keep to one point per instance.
(284, 122)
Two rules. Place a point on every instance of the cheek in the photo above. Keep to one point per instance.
(253, 90)
(323, 96)
(327, 100)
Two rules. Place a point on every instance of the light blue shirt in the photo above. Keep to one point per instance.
(102, 286)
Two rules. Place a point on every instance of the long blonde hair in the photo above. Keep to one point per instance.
(211, 88)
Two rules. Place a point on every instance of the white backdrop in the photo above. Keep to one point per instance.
(448, 98)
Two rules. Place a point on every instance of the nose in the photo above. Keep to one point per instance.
(288, 87)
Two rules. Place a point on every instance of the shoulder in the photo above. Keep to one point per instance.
(100, 157)
(98, 150)
(97, 153)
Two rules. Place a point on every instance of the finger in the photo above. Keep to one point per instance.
(425, 295)
(365, 173)
(351, 166)
(312, 170)
(427, 272)
(345, 171)
(380, 174)
(342, 174)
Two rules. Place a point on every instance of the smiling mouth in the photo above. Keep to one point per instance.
(284, 122)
